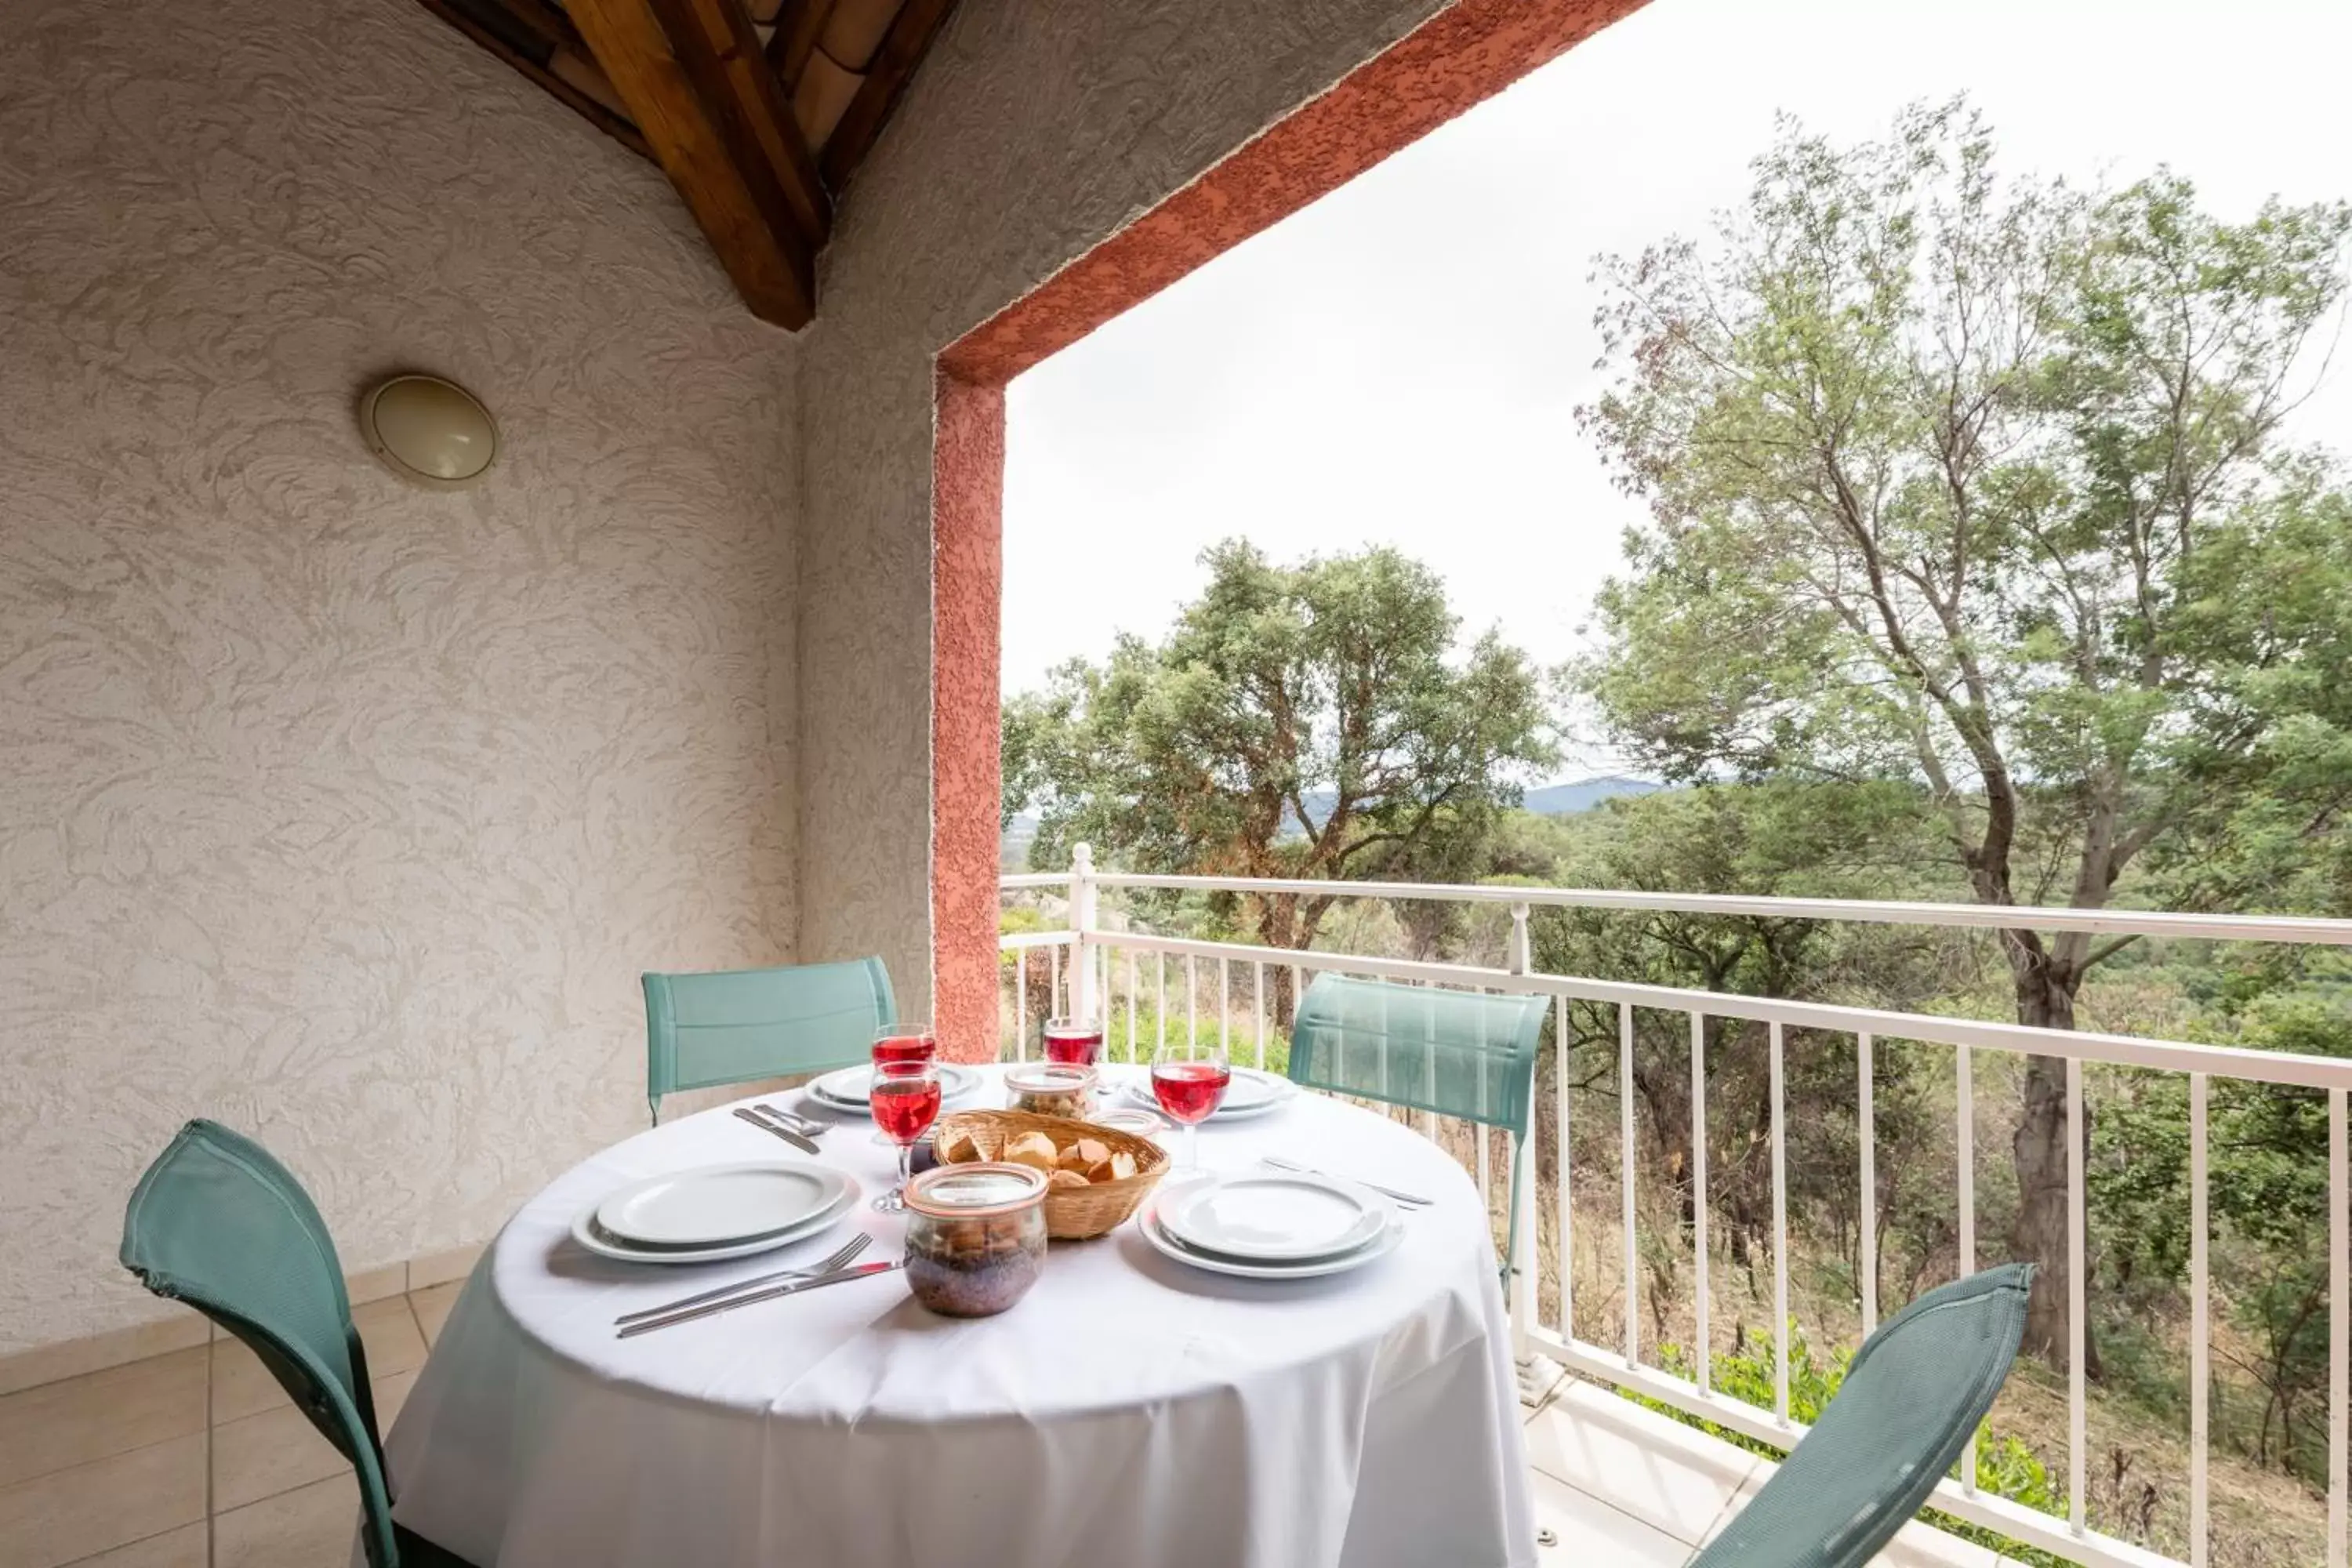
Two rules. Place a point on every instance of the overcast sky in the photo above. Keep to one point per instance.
(1400, 363)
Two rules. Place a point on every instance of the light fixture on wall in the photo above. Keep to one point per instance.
(429, 430)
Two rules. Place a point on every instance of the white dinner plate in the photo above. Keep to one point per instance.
(1275, 1216)
(846, 1090)
(585, 1231)
(717, 1205)
(1252, 1092)
(1379, 1247)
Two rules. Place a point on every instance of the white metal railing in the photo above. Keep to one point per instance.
(1087, 989)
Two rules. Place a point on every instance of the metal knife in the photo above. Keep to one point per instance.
(839, 1275)
(805, 1145)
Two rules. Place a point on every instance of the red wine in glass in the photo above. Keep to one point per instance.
(1191, 1091)
(907, 1043)
(1189, 1083)
(1077, 1041)
(903, 1108)
(904, 1099)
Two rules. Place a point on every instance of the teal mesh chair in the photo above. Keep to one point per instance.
(1457, 1053)
(743, 1025)
(1898, 1423)
(219, 1225)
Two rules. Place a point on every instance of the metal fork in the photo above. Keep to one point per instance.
(849, 1249)
(1410, 1200)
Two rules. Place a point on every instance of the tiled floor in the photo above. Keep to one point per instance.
(119, 1469)
(114, 1467)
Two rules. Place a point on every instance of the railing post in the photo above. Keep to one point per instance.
(1082, 921)
(1537, 1372)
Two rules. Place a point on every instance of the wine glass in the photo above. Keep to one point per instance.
(903, 1043)
(906, 1043)
(1190, 1082)
(1076, 1041)
(905, 1100)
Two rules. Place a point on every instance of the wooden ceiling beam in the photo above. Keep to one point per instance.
(799, 25)
(893, 66)
(700, 90)
(539, 42)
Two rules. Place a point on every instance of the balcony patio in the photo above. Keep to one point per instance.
(349, 809)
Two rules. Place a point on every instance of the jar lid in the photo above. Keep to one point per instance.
(968, 1191)
(1048, 1078)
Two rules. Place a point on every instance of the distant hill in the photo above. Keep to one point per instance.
(1548, 800)
(1567, 799)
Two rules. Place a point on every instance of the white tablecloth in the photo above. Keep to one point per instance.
(1130, 1413)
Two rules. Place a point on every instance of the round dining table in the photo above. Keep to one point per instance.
(1129, 1412)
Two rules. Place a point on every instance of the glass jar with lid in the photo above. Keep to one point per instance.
(975, 1237)
(1050, 1088)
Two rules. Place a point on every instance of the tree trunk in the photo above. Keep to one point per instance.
(2045, 998)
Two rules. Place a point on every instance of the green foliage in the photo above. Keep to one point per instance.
(1313, 720)
(2267, 1199)
(2005, 1467)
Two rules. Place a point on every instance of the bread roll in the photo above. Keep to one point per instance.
(1033, 1149)
(1122, 1166)
(1066, 1179)
(1074, 1158)
(956, 1146)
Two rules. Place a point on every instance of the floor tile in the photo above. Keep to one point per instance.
(376, 1284)
(59, 1425)
(1589, 1531)
(278, 1450)
(440, 1268)
(76, 1513)
(311, 1527)
(71, 1358)
(242, 1386)
(181, 1548)
(1666, 1475)
(433, 1307)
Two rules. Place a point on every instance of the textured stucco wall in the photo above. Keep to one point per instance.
(1032, 131)
(343, 811)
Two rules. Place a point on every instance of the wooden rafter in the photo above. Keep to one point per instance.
(694, 79)
(758, 110)
(893, 63)
(540, 41)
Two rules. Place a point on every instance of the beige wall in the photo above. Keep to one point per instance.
(343, 811)
(350, 812)
(1032, 131)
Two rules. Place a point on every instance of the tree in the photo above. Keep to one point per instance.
(1308, 722)
(1931, 459)
(1778, 838)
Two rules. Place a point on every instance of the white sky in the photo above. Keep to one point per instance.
(1399, 363)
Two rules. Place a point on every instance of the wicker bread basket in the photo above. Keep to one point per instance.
(1072, 1214)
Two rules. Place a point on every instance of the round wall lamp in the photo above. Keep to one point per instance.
(429, 430)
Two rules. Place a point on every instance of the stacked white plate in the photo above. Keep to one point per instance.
(848, 1090)
(1252, 1092)
(1272, 1225)
(716, 1212)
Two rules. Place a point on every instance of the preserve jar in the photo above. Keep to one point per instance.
(1050, 1088)
(975, 1237)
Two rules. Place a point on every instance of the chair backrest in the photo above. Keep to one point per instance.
(218, 1223)
(1901, 1419)
(746, 1024)
(1459, 1053)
